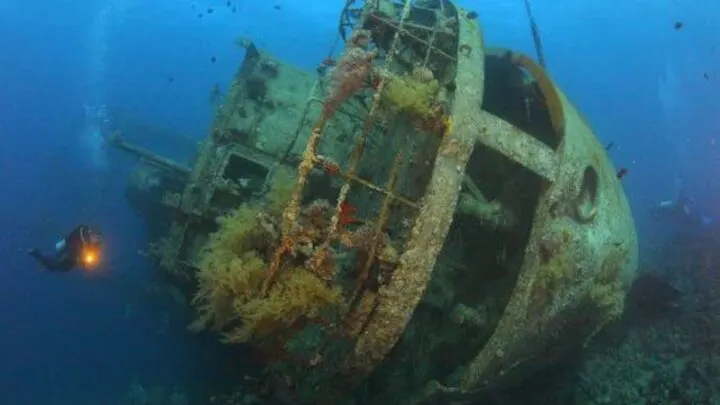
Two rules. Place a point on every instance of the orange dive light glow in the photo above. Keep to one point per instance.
(90, 257)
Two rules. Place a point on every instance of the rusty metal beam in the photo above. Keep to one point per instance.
(156, 160)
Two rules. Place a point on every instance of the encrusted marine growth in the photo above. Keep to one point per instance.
(231, 271)
(351, 72)
(416, 95)
(419, 98)
(233, 267)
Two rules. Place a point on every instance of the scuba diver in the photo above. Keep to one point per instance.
(688, 221)
(82, 248)
(673, 208)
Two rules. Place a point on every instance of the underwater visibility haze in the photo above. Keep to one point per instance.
(359, 202)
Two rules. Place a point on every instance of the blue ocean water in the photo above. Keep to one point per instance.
(83, 338)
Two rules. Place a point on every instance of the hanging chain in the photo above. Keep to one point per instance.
(536, 34)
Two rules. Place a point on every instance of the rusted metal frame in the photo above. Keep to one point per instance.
(310, 100)
(292, 210)
(384, 192)
(385, 210)
(395, 25)
(345, 19)
(285, 156)
(332, 229)
(296, 135)
(369, 185)
(306, 110)
(430, 43)
(400, 296)
(382, 219)
(401, 30)
(346, 174)
(433, 36)
(352, 166)
(360, 146)
(377, 97)
(390, 186)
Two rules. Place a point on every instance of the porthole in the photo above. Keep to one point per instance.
(586, 201)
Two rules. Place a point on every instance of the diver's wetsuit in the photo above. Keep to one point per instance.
(67, 251)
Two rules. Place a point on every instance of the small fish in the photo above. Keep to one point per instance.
(609, 146)
(228, 4)
(213, 59)
(472, 15)
(210, 10)
(622, 172)
(678, 25)
(347, 213)
(277, 7)
(706, 76)
(329, 61)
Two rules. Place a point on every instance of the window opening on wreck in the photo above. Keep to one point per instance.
(525, 100)
(243, 171)
(241, 178)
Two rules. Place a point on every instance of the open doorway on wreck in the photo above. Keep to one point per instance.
(483, 254)
(492, 225)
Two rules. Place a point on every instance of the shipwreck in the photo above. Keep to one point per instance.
(426, 220)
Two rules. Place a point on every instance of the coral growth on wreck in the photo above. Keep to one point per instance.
(232, 268)
(234, 265)
(413, 94)
(329, 266)
(418, 96)
(230, 300)
(351, 72)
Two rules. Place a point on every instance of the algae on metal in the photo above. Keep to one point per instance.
(477, 253)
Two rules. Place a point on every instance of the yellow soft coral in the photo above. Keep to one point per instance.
(298, 295)
(235, 237)
(222, 285)
(231, 292)
(281, 191)
(413, 94)
(230, 276)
